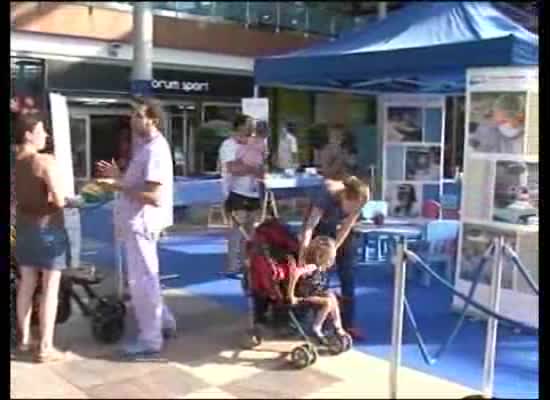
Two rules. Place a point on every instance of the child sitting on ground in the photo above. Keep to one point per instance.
(308, 283)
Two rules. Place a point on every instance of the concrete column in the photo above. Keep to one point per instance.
(382, 9)
(142, 68)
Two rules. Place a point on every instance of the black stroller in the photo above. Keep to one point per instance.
(107, 313)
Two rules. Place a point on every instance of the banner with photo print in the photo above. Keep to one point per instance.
(500, 194)
(413, 127)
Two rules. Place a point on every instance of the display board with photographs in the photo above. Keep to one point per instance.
(500, 184)
(500, 169)
(517, 299)
(413, 140)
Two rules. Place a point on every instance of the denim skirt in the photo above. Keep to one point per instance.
(41, 247)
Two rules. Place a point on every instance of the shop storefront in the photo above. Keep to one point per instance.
(100, 98)
(27, 83)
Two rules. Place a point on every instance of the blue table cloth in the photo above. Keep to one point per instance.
(376, 237)
(189, 191)
(299, 185)
(192, 191)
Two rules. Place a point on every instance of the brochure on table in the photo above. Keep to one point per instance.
(413, 129)
(500, 189)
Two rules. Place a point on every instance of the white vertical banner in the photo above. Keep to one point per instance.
(62, 140)
(500, 194)
(257, 108)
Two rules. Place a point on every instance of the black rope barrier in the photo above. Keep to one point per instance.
(429, 359)
(412, 256)
(519, 265)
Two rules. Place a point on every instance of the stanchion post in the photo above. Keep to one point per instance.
(492, 323)
(121, 276)
(397, 318)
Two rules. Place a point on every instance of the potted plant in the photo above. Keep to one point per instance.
(316, 138)
(209, 137)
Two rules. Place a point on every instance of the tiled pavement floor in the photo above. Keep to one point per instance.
(206, 361)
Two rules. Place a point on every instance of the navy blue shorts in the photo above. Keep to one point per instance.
(41, 247)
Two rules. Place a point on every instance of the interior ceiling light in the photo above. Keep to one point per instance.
(94, 101)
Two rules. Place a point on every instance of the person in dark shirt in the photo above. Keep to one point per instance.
(333, 213)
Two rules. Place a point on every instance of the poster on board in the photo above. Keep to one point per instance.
(423, 163)
(404, 124)
(475, 243)
(404, 199)
(516, 193)
(413, 127)
(497, 122)
(62, 140)
(500, 101)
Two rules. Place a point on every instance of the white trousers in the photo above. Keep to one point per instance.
(236, 243)
(142, 267)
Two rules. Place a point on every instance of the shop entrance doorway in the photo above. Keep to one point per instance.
(98, 134)
(180, 122)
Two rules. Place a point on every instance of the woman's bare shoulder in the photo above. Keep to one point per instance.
(44, 162)
(333, 185)
(45, 158)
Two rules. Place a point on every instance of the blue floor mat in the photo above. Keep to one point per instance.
(198, 258)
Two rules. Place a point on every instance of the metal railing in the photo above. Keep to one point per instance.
(277, 16)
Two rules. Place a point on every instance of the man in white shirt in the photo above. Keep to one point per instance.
(241, 188)
(142, 212)
(287, 151)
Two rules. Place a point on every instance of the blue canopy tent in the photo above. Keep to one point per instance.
(421, 48)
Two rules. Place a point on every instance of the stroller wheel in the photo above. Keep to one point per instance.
(108, 329)
(312, 351)
(336, 345)
(110, 304)
(347, 341)
(108, 320)
(302, 357)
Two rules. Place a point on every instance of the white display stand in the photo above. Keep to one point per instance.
(500, 184)
(256, 107)
(413, 130)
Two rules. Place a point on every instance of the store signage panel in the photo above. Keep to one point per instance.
(183, 86)
(63, 75)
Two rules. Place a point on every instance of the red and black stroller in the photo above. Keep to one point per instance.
(264, 282)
